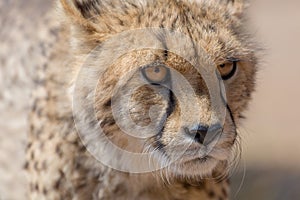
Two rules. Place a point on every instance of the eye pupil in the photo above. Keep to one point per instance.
(227, 70)
(155, 73)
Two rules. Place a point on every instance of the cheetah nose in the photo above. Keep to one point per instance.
(199, 133)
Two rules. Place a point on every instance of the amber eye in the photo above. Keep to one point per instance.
(155, 73)
(227, 70)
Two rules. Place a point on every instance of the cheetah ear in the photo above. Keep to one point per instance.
(81, 8)
(79, 11)
(236, 7)
(89, 10)
(94, 17)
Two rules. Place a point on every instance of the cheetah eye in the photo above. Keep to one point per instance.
(155, 73)
(228, 70)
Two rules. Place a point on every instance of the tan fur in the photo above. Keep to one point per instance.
(59, 165)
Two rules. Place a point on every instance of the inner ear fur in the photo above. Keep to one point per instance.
(79, 12)
(99, 18)
(83, 17)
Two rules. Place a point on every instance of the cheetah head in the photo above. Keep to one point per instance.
(167, 80)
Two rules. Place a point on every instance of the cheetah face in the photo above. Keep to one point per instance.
(163, 106)
(176, 99)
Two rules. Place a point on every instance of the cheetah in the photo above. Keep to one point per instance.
(141, 99)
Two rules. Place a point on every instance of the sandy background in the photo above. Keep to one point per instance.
(270, 168)
(271, 132)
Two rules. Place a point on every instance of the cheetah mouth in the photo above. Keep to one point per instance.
(203, 157)
(194, 156)
(194, 167)
(201, 162)
(198, 160)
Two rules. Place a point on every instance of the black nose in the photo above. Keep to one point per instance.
(200, 132)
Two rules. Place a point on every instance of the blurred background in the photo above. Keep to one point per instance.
(270, 165)
(270, 168)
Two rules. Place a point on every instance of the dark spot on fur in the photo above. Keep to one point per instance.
(186, 185)
(34, 105)
(39, 81)
(51, 136)
(107, 122)
(26, 165)
(58, 151)
(132, 4)
(54, 32)
(45, 191)
(224, 192)
(107, 103)
(56, 184)
(166, 54)
(81, 186)
(203, 13)
(139, 19)
(29, 143)
(211, 194)
(241, 116)
(222, 43)
(43, 48)
(61, 173)
(31, 130)
(121, 22)
(77, 166)
(173, 25)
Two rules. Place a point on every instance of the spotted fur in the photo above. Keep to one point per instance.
(58, 164)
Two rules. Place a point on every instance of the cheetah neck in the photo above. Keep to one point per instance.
(147, 187)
